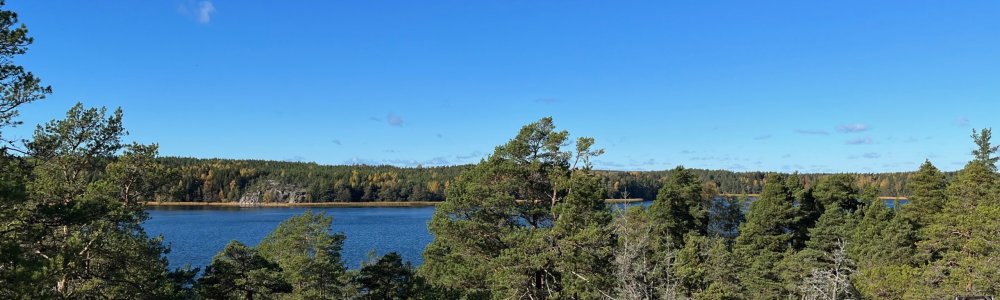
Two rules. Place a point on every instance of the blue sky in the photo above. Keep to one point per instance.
(813, 86)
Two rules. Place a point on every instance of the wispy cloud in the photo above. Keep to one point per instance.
(871, 155)
(850, 128)
(201, 11)
(762, 137)
(391, 119)
(394, 120)
(812, 131)
(963, 121)
(205, 11)
(860, 141)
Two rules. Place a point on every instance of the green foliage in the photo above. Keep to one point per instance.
(962, 244)
(704, 269)
(880, 236)
(240, 272)
(927, 195)
(388, 278)
(76, 231)
(984, 150)
(837, 190)
(309, 256)
(17, 85)
(524, 223)
(765, 239)
(679, 209)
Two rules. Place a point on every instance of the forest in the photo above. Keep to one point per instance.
(227, 180)
(530, 221)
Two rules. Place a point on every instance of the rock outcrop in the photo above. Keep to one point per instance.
(272, 191)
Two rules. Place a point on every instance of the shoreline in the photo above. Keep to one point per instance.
(327, 204)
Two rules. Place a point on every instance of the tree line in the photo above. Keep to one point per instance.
(228, 180)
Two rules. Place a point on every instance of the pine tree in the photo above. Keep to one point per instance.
(240, 272)
(830, 232)
(962, 244)
(584, 241)
(765, 240)
(837, 190)
(985, 151)
(808, 210)
(882, 245)
(927, 195)
(309, 256)
(679, 209)
(508, 226)
(704, 269)
(388, 278)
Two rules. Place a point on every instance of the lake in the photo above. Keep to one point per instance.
(195, 234)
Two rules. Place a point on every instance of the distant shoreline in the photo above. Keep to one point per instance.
(327, 204)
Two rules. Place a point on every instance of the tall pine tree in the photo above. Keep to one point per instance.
(765, 239)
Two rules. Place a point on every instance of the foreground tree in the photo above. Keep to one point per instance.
(240, 272)
(527, 222)
(634, 259)
(765, 240)
(309, 256)
(388, 278)
(76, 232)
(705, 267)
(927, 195)
(679, 209)
(17, 87)
(962, 243)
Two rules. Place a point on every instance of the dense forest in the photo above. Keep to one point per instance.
(226, 180)
(528, 222)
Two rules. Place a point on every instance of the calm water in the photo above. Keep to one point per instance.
(197, 234)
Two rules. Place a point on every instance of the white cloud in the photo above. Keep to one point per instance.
(201, 11)
(205, 11)
(848, 128)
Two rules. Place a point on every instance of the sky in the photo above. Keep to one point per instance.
(809, 86)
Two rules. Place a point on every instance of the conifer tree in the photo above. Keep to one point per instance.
(508, 227)
(240, 272)
(837, 190)
(961, 242)
(765, 240)
(927, 195)
(679, 208)
(309, 256)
